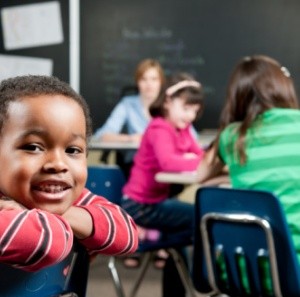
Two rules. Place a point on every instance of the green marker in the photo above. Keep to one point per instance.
(265, 272)
(242, 269)
(221, 266)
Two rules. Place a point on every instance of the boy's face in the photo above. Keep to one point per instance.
(43, 152)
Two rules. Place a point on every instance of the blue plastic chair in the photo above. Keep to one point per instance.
(65, 279)
(242, 245)
(108, 181)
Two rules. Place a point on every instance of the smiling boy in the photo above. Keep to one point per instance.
(44, 128)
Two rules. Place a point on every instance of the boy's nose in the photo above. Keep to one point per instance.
(55, 162)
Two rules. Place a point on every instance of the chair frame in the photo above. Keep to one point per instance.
(180, 265)
(248, 223)
(244, 219)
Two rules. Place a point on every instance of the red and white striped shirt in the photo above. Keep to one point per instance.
(33, 239)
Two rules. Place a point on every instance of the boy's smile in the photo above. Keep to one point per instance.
(43, 152)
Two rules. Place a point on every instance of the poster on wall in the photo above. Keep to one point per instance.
(15, 65)
(31, 25)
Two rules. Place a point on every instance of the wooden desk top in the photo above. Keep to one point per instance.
(205, 139)
(189, 178)
(177, 178)
(207, 136)
(101, 145)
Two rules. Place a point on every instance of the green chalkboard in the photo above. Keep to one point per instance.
(204, 37)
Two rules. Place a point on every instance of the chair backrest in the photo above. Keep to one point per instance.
(107, 181)
(55, 280)
(243, 245)
(78, 278)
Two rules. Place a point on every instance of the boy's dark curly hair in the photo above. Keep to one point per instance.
(17, 88)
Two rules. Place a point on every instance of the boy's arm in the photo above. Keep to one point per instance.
(80, 221)
(113, 231)
(32, 239)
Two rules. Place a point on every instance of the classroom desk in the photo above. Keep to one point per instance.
(206, 136)
(184, 178)
(189, 178)
(98, 145)
(110, 151)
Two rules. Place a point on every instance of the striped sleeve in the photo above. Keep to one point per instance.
(32, 239)
(114, 230)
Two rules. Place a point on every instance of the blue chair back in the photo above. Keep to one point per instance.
(107, 181)
(243, 245)
(55, 280)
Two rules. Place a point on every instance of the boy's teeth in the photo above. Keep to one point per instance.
(51, 188)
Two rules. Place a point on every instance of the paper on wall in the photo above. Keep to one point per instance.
(15, 65)
(31, 25)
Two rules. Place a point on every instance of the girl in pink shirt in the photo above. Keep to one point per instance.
(167, 145)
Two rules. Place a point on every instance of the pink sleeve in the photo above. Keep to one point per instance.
(167, 156)
(114, 230)
(33, 239)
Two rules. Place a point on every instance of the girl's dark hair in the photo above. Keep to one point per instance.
(257, 83)
(190, 94)
(20, 87)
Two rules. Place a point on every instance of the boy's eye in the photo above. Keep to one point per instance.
(74, 150)
(32, 147)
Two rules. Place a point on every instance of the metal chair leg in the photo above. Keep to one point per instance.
(183, 272)
(115, 276)
(144, 267)
(180, 265)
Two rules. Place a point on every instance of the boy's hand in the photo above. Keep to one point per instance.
(10, 204)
